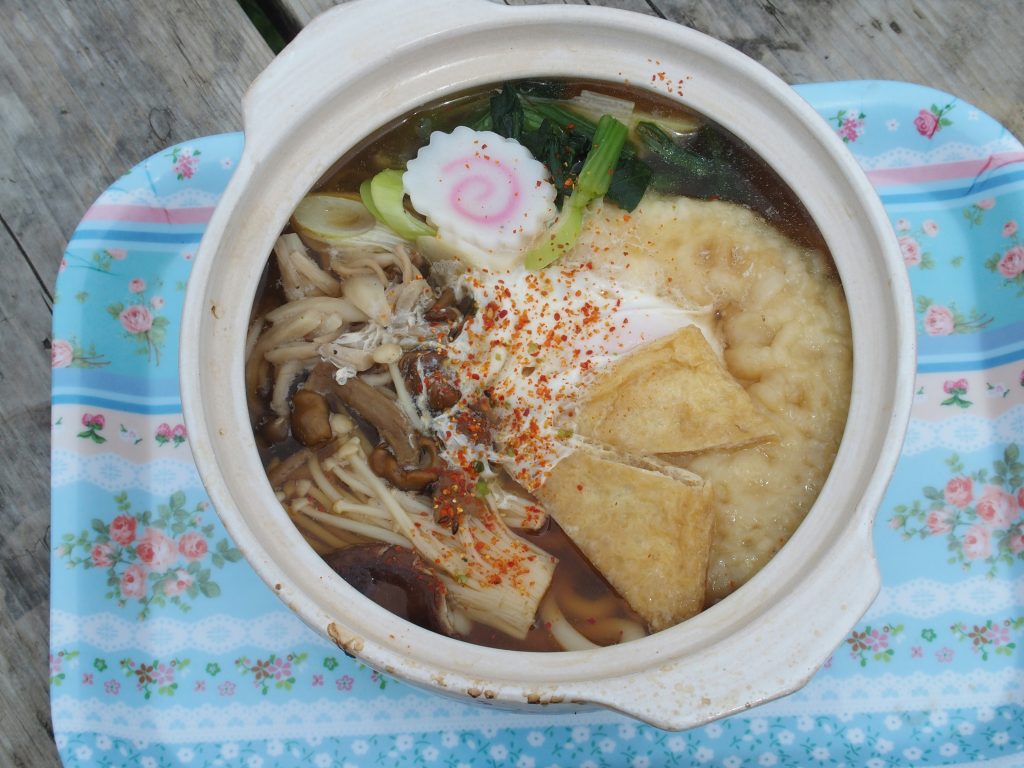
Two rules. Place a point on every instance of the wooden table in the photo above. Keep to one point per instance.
(89, 88)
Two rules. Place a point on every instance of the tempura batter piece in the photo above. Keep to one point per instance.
(647, 532)
(671, 396)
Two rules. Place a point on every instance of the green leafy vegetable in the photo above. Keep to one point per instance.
(560, 151)
(661, 143)
(593, 182)
(561, 139)
(630, 181)
(507, 113)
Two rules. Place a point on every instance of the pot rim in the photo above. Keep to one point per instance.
(673, 679)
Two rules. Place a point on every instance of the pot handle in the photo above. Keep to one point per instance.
(346, 40)
(674, 696)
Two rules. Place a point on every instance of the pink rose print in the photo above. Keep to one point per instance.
(986, 204)
(939, 321)
(997, 508)
(959, 491)
(133, 582)
(185, 162)
(139, 320)
(163, 433)
(192, 546)
(156, 550)
(849, 125)
(902, 225)
(144, 562)
(1016, 542)
(850, 130)
(930, 121)
(167, 434)
(1010, 228)
(977, 542)
(122, 529)
(117, 254)
(136, 319)
(939, 521)
(930, 227)
(100, 555)
(926, 123)
(1012, 263)
(178, 583)
(956, 390)
(62, 354)
(911, 251)
(93, 423)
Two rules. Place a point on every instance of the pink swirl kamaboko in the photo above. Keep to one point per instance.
(486, 195)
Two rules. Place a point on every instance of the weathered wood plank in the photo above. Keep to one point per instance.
(25, 738)
(86, 90)
(970, 50)
(965, 49)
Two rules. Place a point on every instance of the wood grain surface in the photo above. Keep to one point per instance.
(87, 89)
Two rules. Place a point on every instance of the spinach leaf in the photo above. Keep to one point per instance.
(629, 182)
(507, 113)
(561, 151)
(561, 140)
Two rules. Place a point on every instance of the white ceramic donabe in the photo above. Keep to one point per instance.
(361, 65)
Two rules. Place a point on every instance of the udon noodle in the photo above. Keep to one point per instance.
(549, 366)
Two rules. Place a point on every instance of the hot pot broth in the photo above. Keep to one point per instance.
(418, 471)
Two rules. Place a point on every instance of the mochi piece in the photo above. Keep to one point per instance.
(671, 396)
(648, 531)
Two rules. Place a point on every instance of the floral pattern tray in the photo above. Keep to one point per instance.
(167, 650)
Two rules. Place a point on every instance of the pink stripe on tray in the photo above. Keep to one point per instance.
(965, 169)
(146, 215)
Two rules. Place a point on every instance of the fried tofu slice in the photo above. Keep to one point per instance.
(671, 396)
(648, 531)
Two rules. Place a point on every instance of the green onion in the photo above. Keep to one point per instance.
(592, 183)
(387, 204)
(367, 198)
(599, 166)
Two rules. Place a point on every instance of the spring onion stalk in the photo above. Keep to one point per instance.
(593, 182)
(387, 204)
(367, 198)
